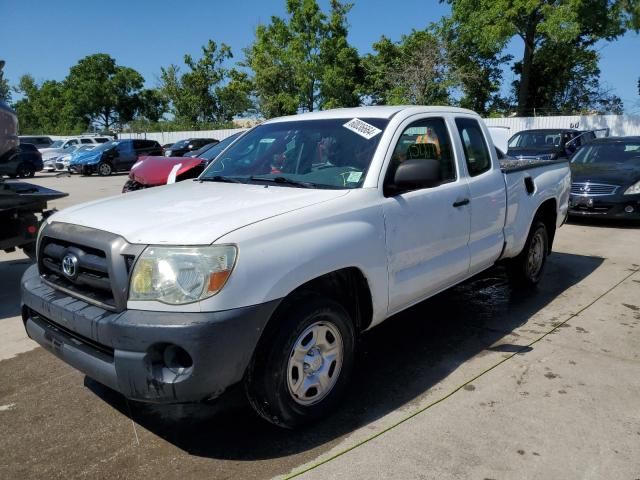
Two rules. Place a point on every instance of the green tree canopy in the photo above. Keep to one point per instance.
(104, 92)
(491, 24)
(304, 62)
(5, 90)
(208, 91)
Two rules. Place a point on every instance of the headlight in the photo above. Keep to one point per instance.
(633, 189)
(178, 275)
(167, 153)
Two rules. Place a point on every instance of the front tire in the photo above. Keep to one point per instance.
(301, 368)
(25, 170)
(104, 169)
(526, 269)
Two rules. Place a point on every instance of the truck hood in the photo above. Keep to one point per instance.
(190, 212)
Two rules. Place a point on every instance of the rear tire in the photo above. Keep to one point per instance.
(25, 170)
(526, 269)
(104, 169)
(301, 368)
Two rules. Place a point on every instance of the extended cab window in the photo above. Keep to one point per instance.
(426, 139)
(474, 145)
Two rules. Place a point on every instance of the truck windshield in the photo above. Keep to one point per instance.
(331, 153)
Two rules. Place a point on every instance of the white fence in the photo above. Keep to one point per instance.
(620, 125)
(172, 137)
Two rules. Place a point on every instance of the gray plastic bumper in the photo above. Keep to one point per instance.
(124, 350)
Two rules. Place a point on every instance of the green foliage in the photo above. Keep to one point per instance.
(5, 90)
(47, 108)
(304, 62)
(414, 71)
(104, 92)
(207, 91)
(553, 24)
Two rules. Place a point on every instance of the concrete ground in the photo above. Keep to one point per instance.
(479, 382)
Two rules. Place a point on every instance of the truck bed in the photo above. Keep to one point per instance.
(516, 165)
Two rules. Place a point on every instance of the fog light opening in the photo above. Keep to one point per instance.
(629, 209)
(176, 359)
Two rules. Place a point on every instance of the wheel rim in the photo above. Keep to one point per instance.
(314, 363)
(535, 258)
(105, 169)
(22, 171)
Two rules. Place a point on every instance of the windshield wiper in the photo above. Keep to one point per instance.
(283, 180)
(219, 178)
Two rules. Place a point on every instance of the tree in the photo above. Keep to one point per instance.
(5, 90)
(47, 108)
(197, 95)
(304, 62)
(414, 70)
(107, 94)
(152, 105)
(493, 23)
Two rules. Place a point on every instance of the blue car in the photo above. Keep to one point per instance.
(116, 156)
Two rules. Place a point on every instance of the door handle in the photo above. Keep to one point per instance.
(461, 203)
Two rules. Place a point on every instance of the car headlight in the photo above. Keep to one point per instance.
(178, 275)
(167, 153)
(633, 189)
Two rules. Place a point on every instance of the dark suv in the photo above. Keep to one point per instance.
(39, 142)
(119, 155)
(24, 162)
(548, 144)
(178, 149)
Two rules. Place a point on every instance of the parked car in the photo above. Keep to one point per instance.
(178, 149)
(25, 161)
(606, 179)
(201, 150)
(307, 231)
(63, 161)
(166, 145)
(116, 156)
(155, 171)
(49, 165)
(547, 144)
(60, 147)
(39, 142)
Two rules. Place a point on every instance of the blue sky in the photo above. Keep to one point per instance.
(45, 38)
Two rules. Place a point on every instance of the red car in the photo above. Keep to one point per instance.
(156, 171)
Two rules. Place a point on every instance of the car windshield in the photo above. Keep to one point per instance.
(333, 153)
(180, 144)
(56, 144)
(213, 151)
(105, 146)
(609, 152)
(536, 139)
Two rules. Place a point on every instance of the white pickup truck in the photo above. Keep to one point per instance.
(305, 232)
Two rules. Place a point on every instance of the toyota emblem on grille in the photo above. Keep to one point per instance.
(70, 265)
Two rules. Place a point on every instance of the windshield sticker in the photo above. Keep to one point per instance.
(362, 128)
(354, 177)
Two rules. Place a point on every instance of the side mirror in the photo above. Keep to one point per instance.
(417, 173)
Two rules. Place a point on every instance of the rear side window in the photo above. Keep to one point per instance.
(102, 140)
(86, 140)
(474, 145)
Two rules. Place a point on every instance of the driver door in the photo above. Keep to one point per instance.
(427, 229)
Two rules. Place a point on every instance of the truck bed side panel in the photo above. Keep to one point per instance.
(550, 181)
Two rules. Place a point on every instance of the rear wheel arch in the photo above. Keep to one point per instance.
(547, 213)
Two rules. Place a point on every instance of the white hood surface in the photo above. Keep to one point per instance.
(190, 212)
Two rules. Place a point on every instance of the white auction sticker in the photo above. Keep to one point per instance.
(362, 128)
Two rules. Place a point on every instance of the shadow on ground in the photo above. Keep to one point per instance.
(604, 222)
(397, 363)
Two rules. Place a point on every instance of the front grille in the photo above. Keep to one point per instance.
(91, 273)
(593, 189)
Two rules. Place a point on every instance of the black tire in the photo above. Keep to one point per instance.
(266, 382)
(527, 268)
(131, 186)
(25, 170)
(104, 169)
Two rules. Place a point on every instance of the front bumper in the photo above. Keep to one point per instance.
(124, 350)
(606, 206)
